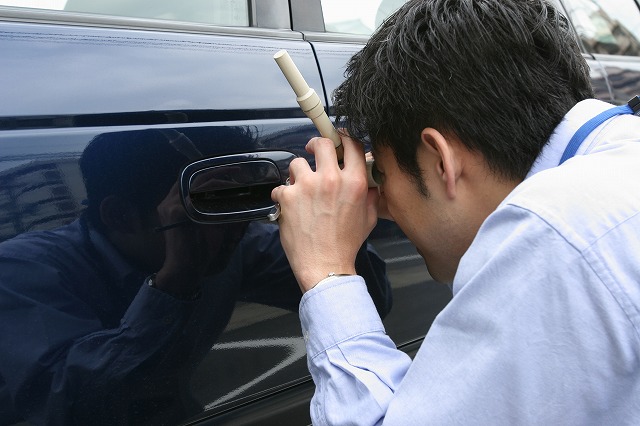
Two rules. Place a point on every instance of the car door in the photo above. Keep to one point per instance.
(147, 83)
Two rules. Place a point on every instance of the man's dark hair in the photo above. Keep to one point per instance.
(139, 166)
(499, 74)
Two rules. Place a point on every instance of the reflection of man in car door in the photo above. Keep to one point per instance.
(103, 320)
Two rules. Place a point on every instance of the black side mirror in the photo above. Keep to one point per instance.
(233, 188)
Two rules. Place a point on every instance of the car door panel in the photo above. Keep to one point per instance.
(223, 93)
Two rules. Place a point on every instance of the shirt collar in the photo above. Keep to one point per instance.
(576, 117)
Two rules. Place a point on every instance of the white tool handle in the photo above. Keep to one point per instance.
(307, 97)
(310, 103)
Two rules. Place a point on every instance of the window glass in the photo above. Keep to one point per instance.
(216, 12)
(357, 16)
(607, 27)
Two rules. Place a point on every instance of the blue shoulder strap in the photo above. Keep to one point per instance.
(632, 107)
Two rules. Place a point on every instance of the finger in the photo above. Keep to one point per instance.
(298, 167)
(324, 152)
(276, 193)
(353, 154)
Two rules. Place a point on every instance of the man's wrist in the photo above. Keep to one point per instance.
(179, 292)
(329, 277)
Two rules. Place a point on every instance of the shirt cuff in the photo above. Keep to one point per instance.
(152, 308)
(335, 311)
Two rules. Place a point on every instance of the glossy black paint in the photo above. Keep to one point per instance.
(212, 74)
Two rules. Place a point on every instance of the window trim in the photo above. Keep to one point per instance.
(306, 15)
(336, 37)
(57, 17)
(270, 14)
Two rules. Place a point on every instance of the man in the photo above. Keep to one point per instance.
(469, 106)
(104, 320)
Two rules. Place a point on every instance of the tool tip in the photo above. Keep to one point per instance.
(280, 54)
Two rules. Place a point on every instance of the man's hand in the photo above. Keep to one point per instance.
(192, 251)
(326, 214)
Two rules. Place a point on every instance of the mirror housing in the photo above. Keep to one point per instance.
(233, 188)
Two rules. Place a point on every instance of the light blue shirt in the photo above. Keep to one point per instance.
(544, 325)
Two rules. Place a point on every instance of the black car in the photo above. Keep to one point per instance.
(184, 98)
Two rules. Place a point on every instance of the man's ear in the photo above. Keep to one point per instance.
(118, 214)
(448, 165)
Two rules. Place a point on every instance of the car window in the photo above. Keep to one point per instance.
(215, 12)
(607, 27)
(357, 16)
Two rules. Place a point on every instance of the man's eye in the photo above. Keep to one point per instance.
(378, 176)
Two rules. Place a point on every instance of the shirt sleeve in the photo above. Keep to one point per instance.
(536, 333)
(61, 353)
(355, 365)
